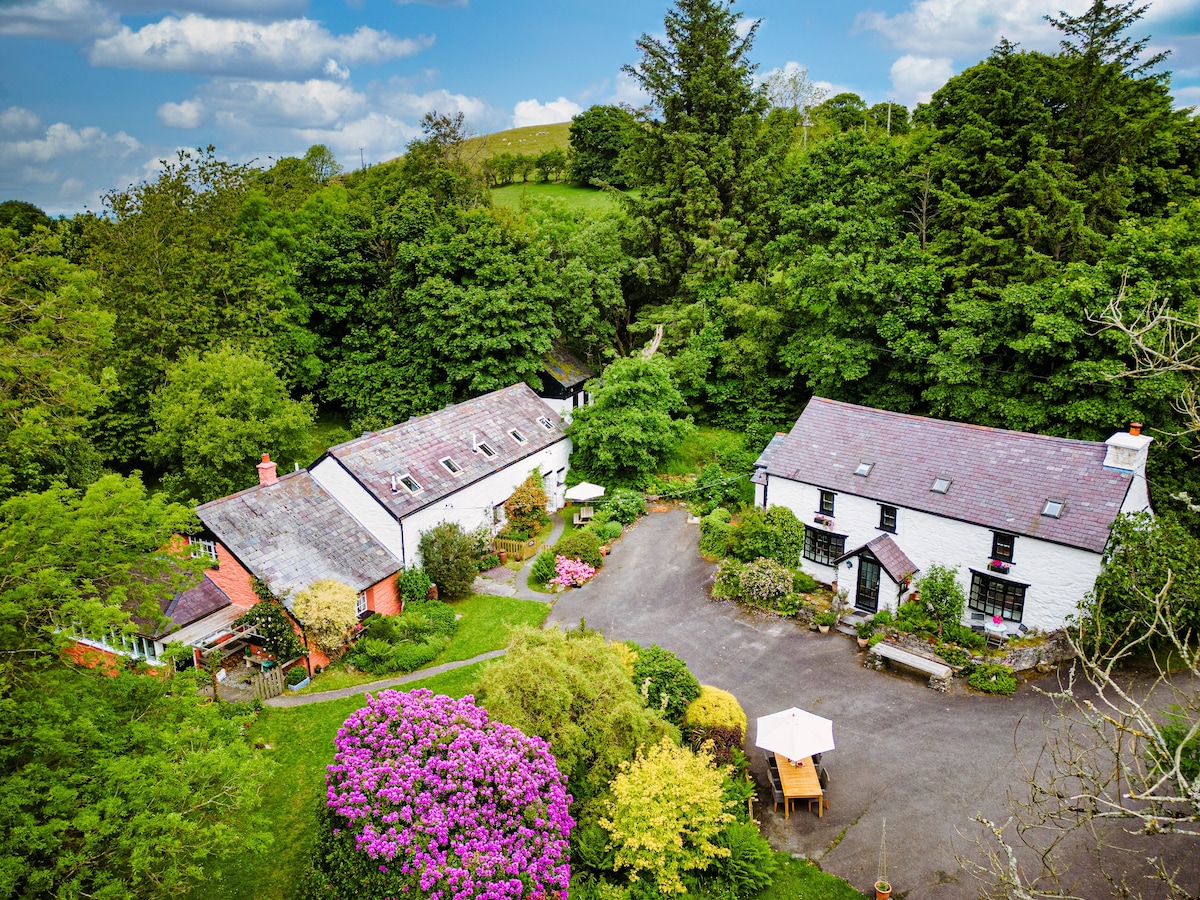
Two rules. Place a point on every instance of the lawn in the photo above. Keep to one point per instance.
(700, 448)
(796, 879)
(300, 741)
(587, 199)
(483, 627)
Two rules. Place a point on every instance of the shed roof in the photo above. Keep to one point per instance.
(458, 433)
(192, 605)
(998, 479)
(293, 533)
(565, 367)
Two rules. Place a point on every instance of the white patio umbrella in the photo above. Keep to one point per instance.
(584, 491)
(794, 733)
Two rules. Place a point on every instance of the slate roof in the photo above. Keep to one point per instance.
(416, 447)
(565, 367)
(893, 560)
(294, 532)
(764, 459)
(192, 605)
(999, 479)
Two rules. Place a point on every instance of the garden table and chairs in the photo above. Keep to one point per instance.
(793, 739)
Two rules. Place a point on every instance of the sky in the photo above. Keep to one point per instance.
(95, 93)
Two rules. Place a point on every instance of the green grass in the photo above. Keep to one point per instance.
(797, 879)
(530, 140)
(587, 199)
(700, 448)
(300, 741)
(483, 627)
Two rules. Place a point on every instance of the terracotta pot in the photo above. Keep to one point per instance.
(862, 643)
(503, 554)
(883, 890)
(824, 629)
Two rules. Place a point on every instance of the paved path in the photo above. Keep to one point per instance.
(503, 581)
(289, 699)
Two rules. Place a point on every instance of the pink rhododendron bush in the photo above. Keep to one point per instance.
(428, 798)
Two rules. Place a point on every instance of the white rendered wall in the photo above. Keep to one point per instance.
(359, 503)
(472, 506)
(1058, 577)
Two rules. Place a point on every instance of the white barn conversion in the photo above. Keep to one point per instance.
(1024, 518)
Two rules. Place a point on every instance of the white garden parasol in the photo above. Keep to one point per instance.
(584, 491)
(794, 733)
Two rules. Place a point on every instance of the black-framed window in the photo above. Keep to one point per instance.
(827, 502)
(823, 546)
(1002, 546)
(887, 518)
(995, 596)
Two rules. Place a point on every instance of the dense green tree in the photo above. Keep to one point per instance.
(706, 155)
(599, 135)
(845, 111)
(321, 163)
(631, 425)
(22, 217)
(440, 163)
(54, 341)
(449, 557)
(889, 117)
(216, 415)
(552, 163)
(572, 689)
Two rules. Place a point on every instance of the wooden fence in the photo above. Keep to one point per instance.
(268, 684)
(519, 550)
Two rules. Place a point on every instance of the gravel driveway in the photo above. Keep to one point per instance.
(924, 761)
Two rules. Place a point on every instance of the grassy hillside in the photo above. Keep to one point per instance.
(531, 141)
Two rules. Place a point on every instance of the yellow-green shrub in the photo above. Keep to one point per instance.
(715, 707)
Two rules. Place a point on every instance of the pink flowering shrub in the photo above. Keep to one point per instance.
(443, 804)
(571, 571)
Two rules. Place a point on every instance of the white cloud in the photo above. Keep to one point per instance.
(18, 120)
(968, 29)
(66, 20)
(397, 102)
(61, 140)
(531, 112)
(915, 78)
(244, 106)
(237, 47)
(744, 24)
(373, 138)
(627, 91)
(333, 70)
(1187, 96)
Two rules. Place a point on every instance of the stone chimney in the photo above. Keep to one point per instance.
(1127, 451)
(266, 470)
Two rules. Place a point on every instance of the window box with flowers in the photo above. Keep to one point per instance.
(827, 521)
(999, 565)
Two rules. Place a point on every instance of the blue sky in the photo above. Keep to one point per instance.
(93, 93)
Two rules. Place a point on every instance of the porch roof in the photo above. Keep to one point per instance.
(891, 558)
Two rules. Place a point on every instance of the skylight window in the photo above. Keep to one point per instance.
(1053, 508)
(409, 482)
(940, 485)
(546, 423)
(517, 436)
(451, 466)
(864, 469)
(485, 450)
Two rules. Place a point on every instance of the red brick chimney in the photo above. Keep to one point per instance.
(266, 470)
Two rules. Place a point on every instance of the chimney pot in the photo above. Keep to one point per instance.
(1135, 428)
(266, 470)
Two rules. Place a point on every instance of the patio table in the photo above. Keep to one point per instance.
(800, 783)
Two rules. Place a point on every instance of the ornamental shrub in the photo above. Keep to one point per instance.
(764, 582)
(542, 569)
(666, 814)
(803, 583)
(526, 507)
(570, 572)
(727, 580)
(775, 533)
(715, 532)
(441, 802)
(329, 611)
(372, 654)
(413, 584)
(274, 627)
(583, 545)
(295, 675)
(993, 678)
(448, 556)
(665, 682)
(750, 866)
(441, 616)
(717, 707)
(942, 595)
(624, 505)
(609, 531)
(408, 657)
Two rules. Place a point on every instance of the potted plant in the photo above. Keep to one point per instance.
(883, 887)
(824, 619)
(864, 629)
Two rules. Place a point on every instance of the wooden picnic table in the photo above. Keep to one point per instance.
(800, 783)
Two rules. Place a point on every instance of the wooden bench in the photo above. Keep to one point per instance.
(939, 673)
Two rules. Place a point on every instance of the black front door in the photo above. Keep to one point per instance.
(866, 597)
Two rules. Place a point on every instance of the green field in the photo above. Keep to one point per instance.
(514, 196)
(530, 141)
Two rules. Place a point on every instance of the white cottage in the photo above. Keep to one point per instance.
(1024, 518)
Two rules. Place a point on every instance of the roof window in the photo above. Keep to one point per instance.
(864, 469)
(941, 485)
(451, 466)
(545, 422)
(408, 481)
(1053, 508)
(517, 436)
(485, 449)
